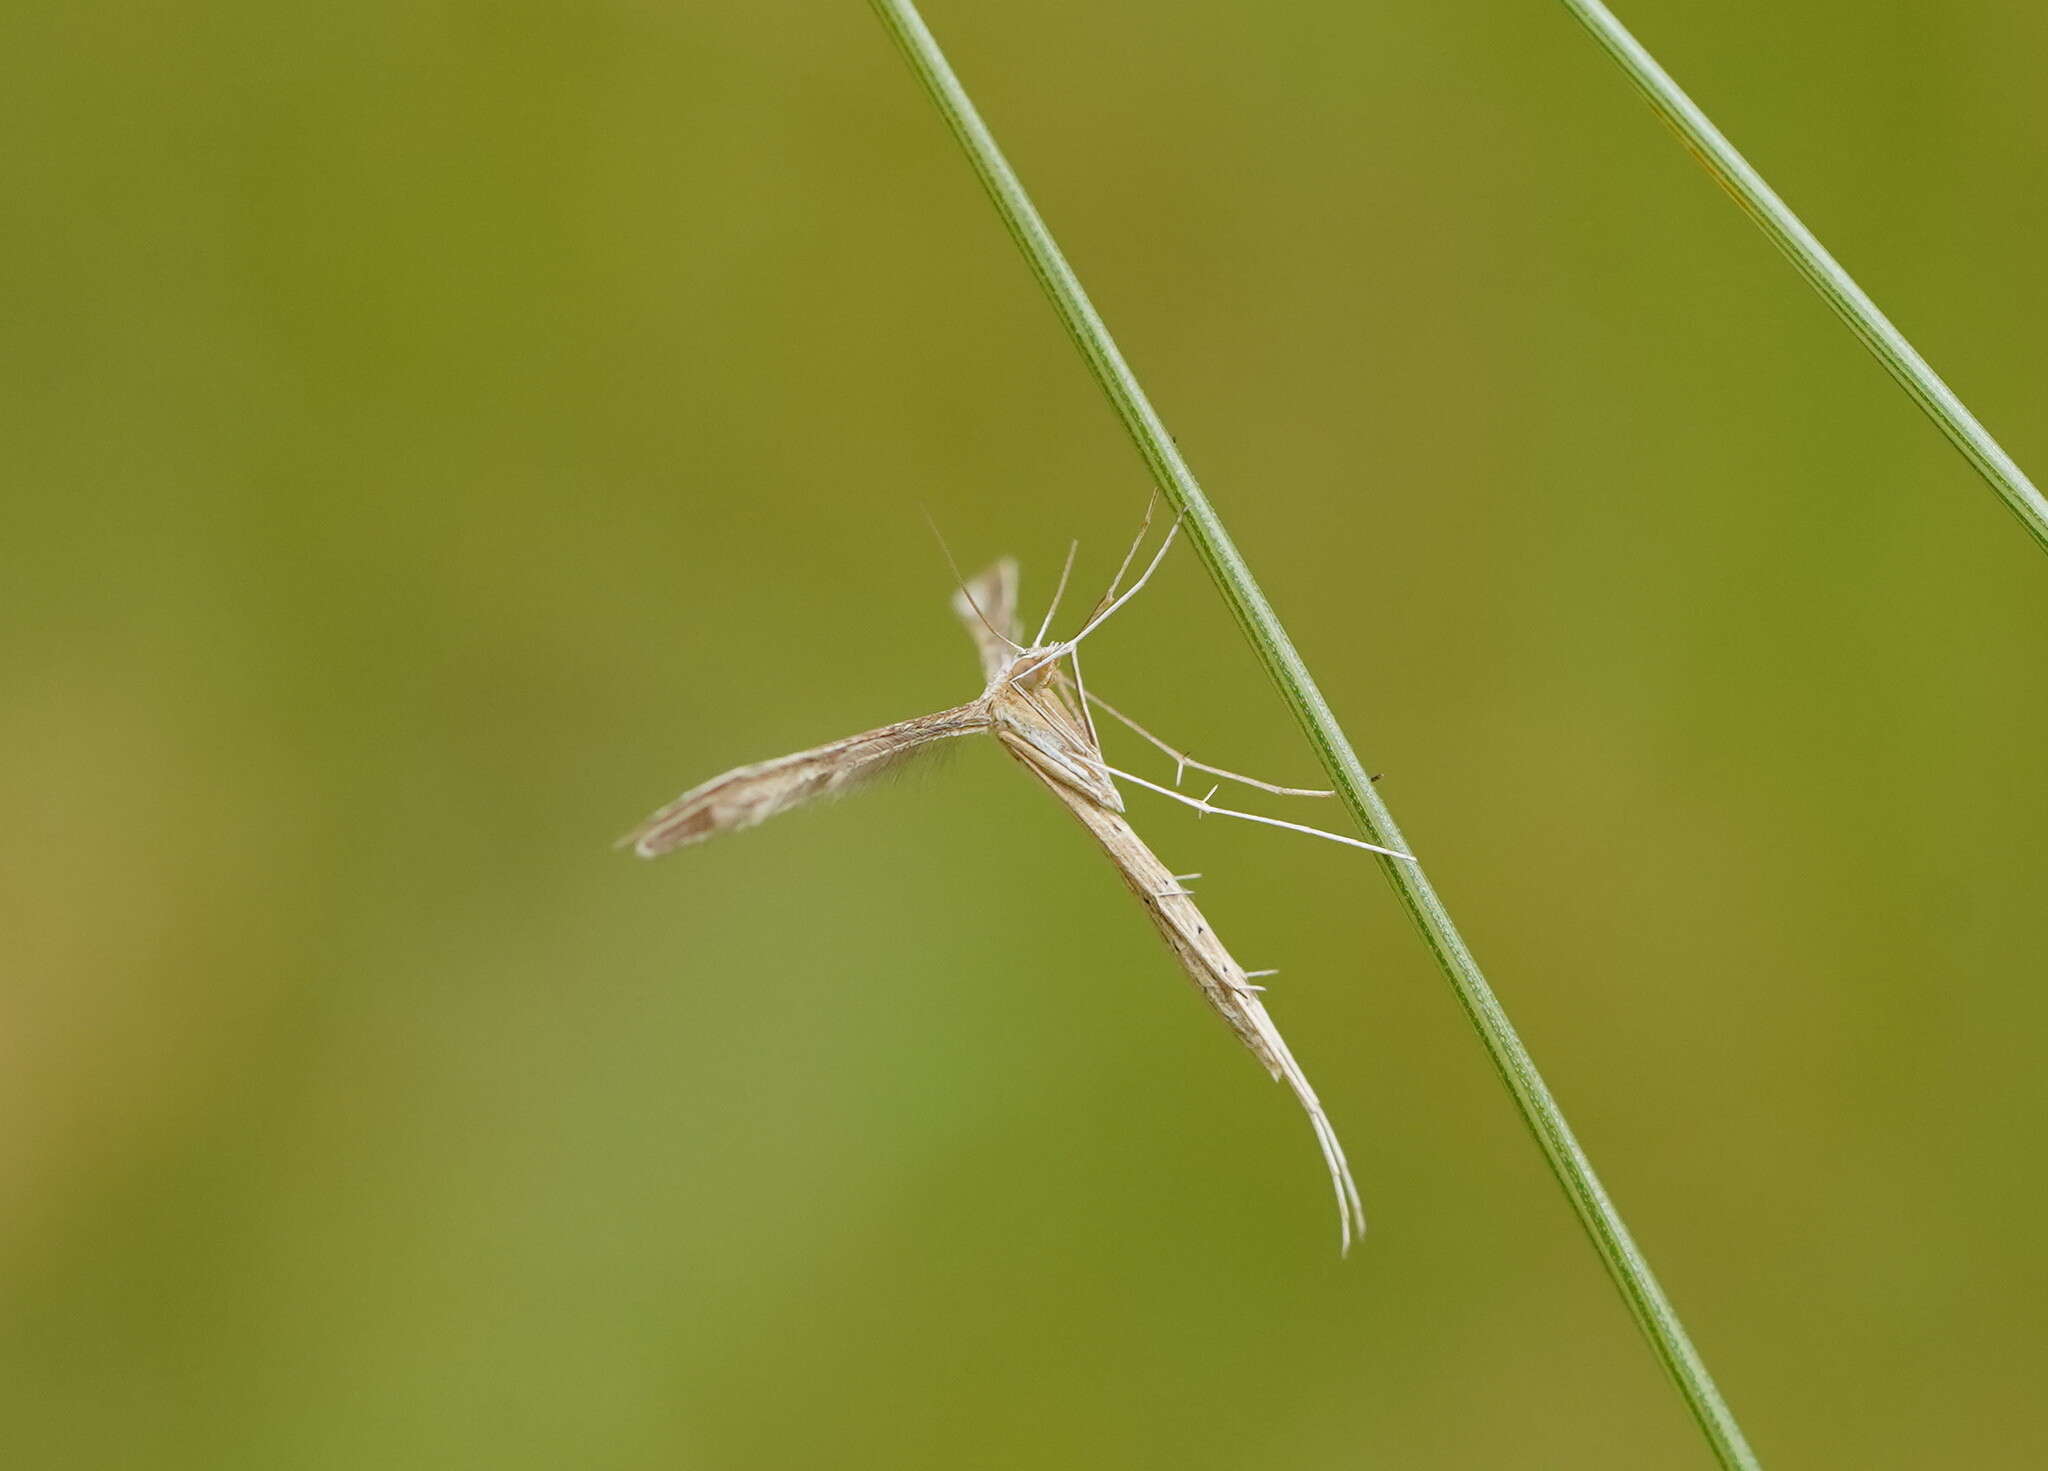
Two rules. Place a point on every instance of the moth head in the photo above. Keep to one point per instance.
(1035, 668)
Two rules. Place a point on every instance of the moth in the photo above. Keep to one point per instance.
(1037, 706)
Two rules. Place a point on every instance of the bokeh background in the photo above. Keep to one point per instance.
(437, 433)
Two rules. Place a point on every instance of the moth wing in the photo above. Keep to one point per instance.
(987, 604)
(1213, 970)
(749, 795)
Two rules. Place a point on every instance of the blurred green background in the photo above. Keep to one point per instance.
(436, 434)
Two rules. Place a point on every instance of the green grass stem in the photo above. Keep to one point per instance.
(1822, 271)
(1539, 1109)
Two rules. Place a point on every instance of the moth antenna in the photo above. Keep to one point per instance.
(1057, 593)
(961, 583)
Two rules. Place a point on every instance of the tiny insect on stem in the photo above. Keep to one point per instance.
(1037, 707)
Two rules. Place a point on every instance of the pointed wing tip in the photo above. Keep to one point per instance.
(681, 823)
(649, 841)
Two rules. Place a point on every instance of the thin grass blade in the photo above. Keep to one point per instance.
(1539, 1108)
(1822, 271)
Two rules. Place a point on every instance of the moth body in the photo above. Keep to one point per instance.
(1035, 705)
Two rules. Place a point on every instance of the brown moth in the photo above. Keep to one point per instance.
(1036, 705)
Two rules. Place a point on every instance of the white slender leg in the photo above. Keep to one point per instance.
(1134, 589)
(1184, 763)
(1203, 804)
(1130, 555)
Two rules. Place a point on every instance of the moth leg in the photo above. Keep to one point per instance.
(1183, 762)
(1079, 686)
(1130, 556)
(1103, 614)
(1057, 593)
(1204, 805)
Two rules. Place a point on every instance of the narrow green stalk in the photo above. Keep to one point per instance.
(1821, 270)
(1631, 1273)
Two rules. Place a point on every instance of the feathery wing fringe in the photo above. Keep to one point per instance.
(749, 795)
